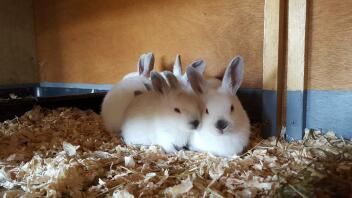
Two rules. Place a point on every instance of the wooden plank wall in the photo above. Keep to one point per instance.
(319, 67)
(330, 45)
(17, 51)
(98, 42)
(273, 65)
(296, 67)
(329, 75)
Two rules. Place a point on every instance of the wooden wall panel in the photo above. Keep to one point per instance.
(273, 66)
(99, 41)
(330, 45)
(295, 68)
(17, 51)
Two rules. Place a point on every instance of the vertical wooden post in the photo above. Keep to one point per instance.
(296, 64)
(273, 64)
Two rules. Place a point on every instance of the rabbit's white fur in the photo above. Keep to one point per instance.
(221, 104)
(122, 93)
(152, 117)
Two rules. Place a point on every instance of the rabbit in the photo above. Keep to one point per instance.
(199, 65)
(166, 116)
(121, 94)
(144, 66)
(225, 127)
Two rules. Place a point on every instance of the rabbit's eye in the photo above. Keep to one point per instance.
(177, 110)
(206, 111)
(231, 108)
(137, 93)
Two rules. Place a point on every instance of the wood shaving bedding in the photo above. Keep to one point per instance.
(67, 153)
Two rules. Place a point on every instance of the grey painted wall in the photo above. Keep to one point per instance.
(330, 110)
(324, 110)
(17, 42)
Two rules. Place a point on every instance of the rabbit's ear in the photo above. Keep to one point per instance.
(146, 64)
(173, 82)
(147, 86)
(233, 76)
(177, 69)
(159, 83)
(196, 80)
(198, 65)
(140, 64)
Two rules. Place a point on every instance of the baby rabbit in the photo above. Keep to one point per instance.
(121, 94)
(198, 65)
(166, 116)
(225, 127)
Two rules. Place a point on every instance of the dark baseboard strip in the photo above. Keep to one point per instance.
(251, 100)
(77, 85)
(324, 110)
(269, 113)
(58, 85)
(14, 86)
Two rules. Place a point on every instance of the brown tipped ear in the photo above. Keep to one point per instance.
(196, 80)
(173, 82)
(147, 86)
(159, 84)
(146, 64)
(198, 65)
(233, 76)
(177, 69)
(140, 67)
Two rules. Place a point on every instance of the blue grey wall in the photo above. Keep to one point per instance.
(330, 110)
(322, 110)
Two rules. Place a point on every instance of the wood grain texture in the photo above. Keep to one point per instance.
(330, 45)
(295, 114)
(94, 42)
(296, 44)
(17, 51)
(272, 48)
(273, 65)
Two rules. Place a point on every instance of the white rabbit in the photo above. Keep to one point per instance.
(225, 127)
(121, 94)
(198, 65)
(165, 116)
(144, 66)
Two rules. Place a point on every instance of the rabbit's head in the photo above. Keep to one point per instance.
(223, 112)
(179, 108)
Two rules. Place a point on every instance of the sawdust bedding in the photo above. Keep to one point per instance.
(66, 153)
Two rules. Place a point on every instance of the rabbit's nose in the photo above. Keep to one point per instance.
(221, 124)
(195, 124)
